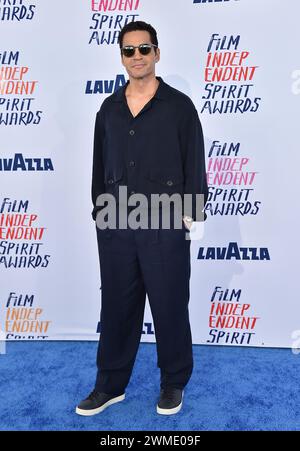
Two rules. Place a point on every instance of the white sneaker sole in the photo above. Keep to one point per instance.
(88, 413)
(169, 411)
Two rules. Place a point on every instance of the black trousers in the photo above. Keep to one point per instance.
(133, 263)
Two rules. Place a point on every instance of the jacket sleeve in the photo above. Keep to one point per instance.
(98, 186)
(194, 161)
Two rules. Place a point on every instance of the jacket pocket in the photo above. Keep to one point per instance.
(112, 180)
(162, 180)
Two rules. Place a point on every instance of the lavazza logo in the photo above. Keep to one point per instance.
(20, 163)
(105, 86)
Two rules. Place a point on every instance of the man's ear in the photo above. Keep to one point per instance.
(157, 56)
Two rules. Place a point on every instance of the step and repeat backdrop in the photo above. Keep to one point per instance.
(239, 62)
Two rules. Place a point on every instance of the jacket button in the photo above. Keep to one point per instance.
(131, 132)
(110, 181)
(169, 183)
(131, 163)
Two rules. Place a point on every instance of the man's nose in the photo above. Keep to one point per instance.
(137, 55)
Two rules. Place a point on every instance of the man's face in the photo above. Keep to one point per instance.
(139, 66)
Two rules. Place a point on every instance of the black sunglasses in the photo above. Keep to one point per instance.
(144, 49)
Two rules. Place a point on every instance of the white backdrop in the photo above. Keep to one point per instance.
(58, 61)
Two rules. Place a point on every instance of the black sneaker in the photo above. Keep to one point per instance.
(96, 402)
(170, 401)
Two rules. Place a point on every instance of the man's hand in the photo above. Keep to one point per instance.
(188, 222)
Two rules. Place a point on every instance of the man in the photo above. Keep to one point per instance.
(148, 137)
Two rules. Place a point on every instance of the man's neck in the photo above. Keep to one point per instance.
(142, 87)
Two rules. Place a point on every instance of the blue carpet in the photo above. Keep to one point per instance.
(232, 388)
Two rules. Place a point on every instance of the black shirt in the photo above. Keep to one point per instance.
(161, 150)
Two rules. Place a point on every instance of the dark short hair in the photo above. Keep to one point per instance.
(139, 25)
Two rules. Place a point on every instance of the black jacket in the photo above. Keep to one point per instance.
(161, 150)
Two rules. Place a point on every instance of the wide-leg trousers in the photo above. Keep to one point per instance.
(134, 263)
